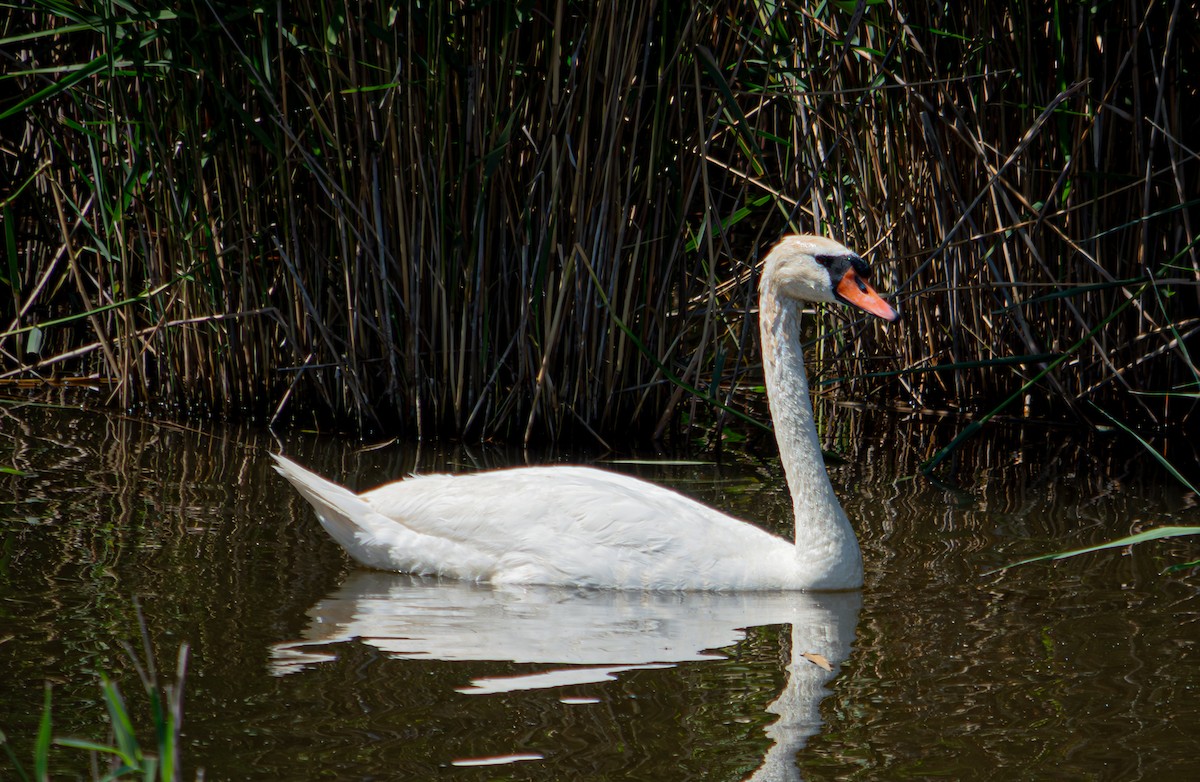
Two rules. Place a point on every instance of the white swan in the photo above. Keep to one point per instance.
(579, 526)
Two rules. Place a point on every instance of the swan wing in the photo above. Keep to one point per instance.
(548, 525)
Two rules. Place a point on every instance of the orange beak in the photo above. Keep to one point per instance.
(853, 289)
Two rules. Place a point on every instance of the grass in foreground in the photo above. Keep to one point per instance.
(124, 756)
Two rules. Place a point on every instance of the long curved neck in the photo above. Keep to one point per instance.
(822, 530)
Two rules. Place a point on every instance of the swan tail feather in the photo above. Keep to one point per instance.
(337, 507)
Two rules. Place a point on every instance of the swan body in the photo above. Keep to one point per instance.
(578, 526)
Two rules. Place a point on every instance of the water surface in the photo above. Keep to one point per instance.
(305, 667)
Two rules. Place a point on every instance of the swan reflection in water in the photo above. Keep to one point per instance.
(583, 636)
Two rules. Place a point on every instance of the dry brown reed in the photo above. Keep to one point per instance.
(537, 219)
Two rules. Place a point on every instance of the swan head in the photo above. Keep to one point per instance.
(817, 269)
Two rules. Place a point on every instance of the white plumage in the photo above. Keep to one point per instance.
(586, 527)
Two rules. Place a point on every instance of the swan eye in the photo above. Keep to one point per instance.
(860, 268)
(825, 260)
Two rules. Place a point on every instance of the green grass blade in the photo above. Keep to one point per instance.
(138, 298)
(41, 748)
(741, 124)
(1185, 205)
(1072, 291)
(127, 747)
(90, 746)
(12, 757)
(50, 32)
(103, 749)
(1141, 537)
(92, 68)
(150, 769)
(1161, 459)
(12, 274)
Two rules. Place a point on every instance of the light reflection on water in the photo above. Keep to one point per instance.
(303, 666)
(572, 638)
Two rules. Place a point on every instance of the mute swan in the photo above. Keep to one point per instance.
(578, 526)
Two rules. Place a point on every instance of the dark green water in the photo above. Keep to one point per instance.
(303, 667)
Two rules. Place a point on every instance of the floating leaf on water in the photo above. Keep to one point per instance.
(818, 660)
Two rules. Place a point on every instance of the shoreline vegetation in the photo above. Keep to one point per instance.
(541, 221)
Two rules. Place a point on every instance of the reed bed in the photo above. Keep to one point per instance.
(534, 220)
